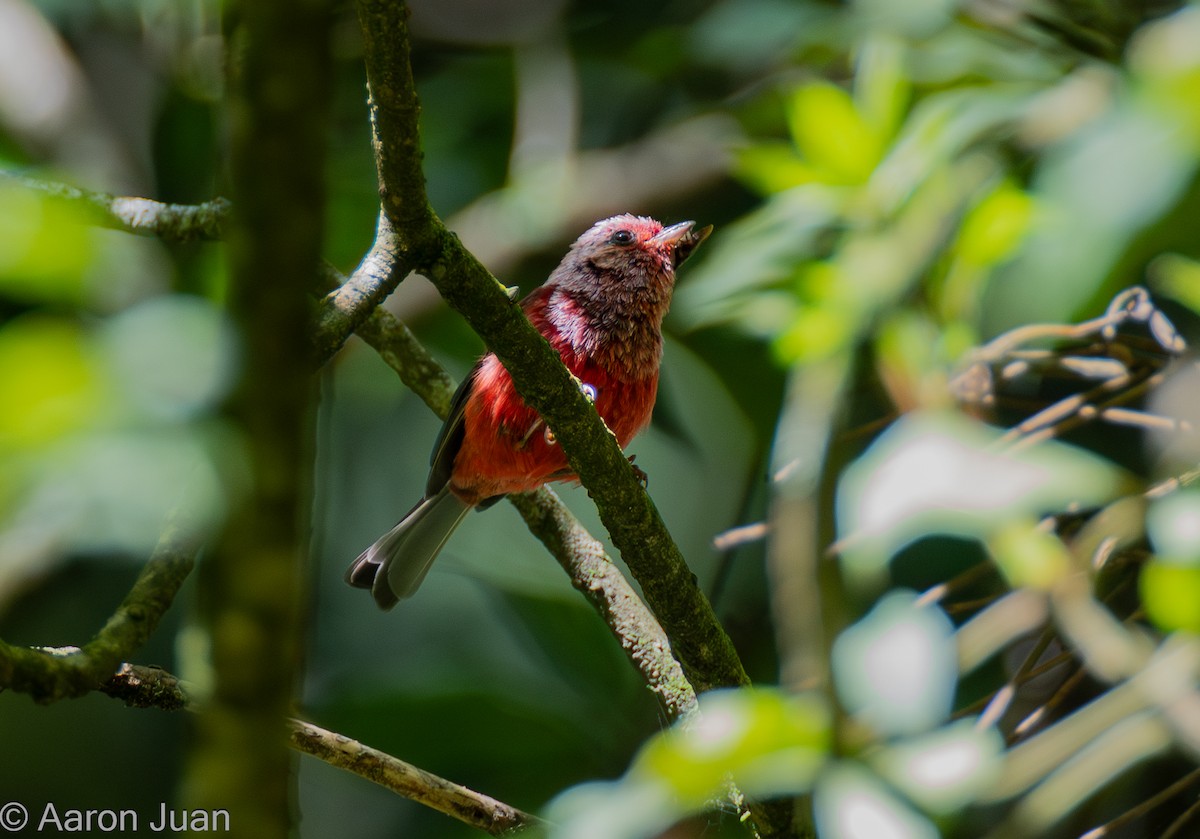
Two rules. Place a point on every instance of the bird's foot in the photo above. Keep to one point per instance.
(639, 473)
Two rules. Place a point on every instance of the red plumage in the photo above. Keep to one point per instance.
(506, 447)
(602, 310)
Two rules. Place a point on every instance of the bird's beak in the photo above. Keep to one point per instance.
(682, 239)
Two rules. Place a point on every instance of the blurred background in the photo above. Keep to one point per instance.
(892, 184)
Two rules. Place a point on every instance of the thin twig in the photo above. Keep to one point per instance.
(735, 537)
(140, 216)
(1033, 720)
(937, 593)
(1175, 828)
(1003, 697)
(476, 809)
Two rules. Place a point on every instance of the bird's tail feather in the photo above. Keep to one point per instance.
(395, 565)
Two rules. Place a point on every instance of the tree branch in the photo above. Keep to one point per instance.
(595, 576)
(670, 588)
(50, 674)
(152, 687)
(140, 216)
(494, 817)
(251, 586)
(349, 305)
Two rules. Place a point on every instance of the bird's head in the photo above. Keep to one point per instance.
(625, 239)
(628, 254)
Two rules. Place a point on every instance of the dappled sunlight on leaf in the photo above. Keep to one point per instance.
(770, 743)
(850, 803)
(1171, 592)
(896, 669)
(945, 770)
(1173, 525)
(940, 473)
(1029, 556)
(1170, 581)
(1177, 277)
(765, 742)
(831, 135)
(773, 167)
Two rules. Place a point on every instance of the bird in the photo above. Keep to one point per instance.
(602, 309)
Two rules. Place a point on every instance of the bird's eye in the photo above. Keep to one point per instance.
(623, 238)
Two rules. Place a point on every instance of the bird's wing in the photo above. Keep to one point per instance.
(450, 438)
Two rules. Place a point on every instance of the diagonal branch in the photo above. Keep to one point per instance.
(595, 576)
(670, 588)
(476, 809)
(346, 307)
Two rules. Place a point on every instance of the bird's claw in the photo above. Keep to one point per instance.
(639, 473)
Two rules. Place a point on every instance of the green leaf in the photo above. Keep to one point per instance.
(945, 770)
(1164, 57)
(769, 742)
(46, 247)
(995, 227)
(933, 473)
(773, 167)
(851, 803)
(1029, 556)
(766, 742)
(1178, 277)
(753, 256)
(882, 89)
(1171, 594)
(816, 332)
(896, 669)
(832, 135)
(51, 387)
(1173, 525)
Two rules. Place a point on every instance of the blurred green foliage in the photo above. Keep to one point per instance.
(892, 185)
